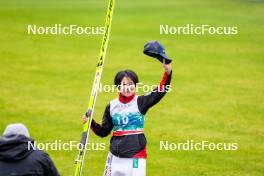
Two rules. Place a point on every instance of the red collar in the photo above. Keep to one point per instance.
(124, 99)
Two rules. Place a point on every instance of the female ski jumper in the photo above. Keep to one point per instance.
(125, 116)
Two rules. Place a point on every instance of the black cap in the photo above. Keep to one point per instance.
(156, 50)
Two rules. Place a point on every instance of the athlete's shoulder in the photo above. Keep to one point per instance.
(146, 94)
(113, 102)
(140, 97)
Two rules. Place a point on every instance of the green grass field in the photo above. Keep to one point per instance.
(218, 81)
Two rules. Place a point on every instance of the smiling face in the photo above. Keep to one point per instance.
(127, 87)
(126, 81)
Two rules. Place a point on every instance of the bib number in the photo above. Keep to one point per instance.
(122, 120)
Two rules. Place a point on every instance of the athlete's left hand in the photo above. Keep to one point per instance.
(167, 68)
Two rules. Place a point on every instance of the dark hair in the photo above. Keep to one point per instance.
(125, 73)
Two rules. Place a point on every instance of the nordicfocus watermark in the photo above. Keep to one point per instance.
(59, 145)
(59, 29)
(190, 145)
(138, 87)
(191, 29)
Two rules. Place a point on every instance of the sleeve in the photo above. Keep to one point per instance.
(150, 99)
(49, 167)
(107, 124)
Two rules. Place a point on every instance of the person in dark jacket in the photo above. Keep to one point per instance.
(18, 158)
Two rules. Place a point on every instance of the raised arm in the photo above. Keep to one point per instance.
(150, 99)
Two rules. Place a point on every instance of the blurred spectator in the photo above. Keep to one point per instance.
(17, 158)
